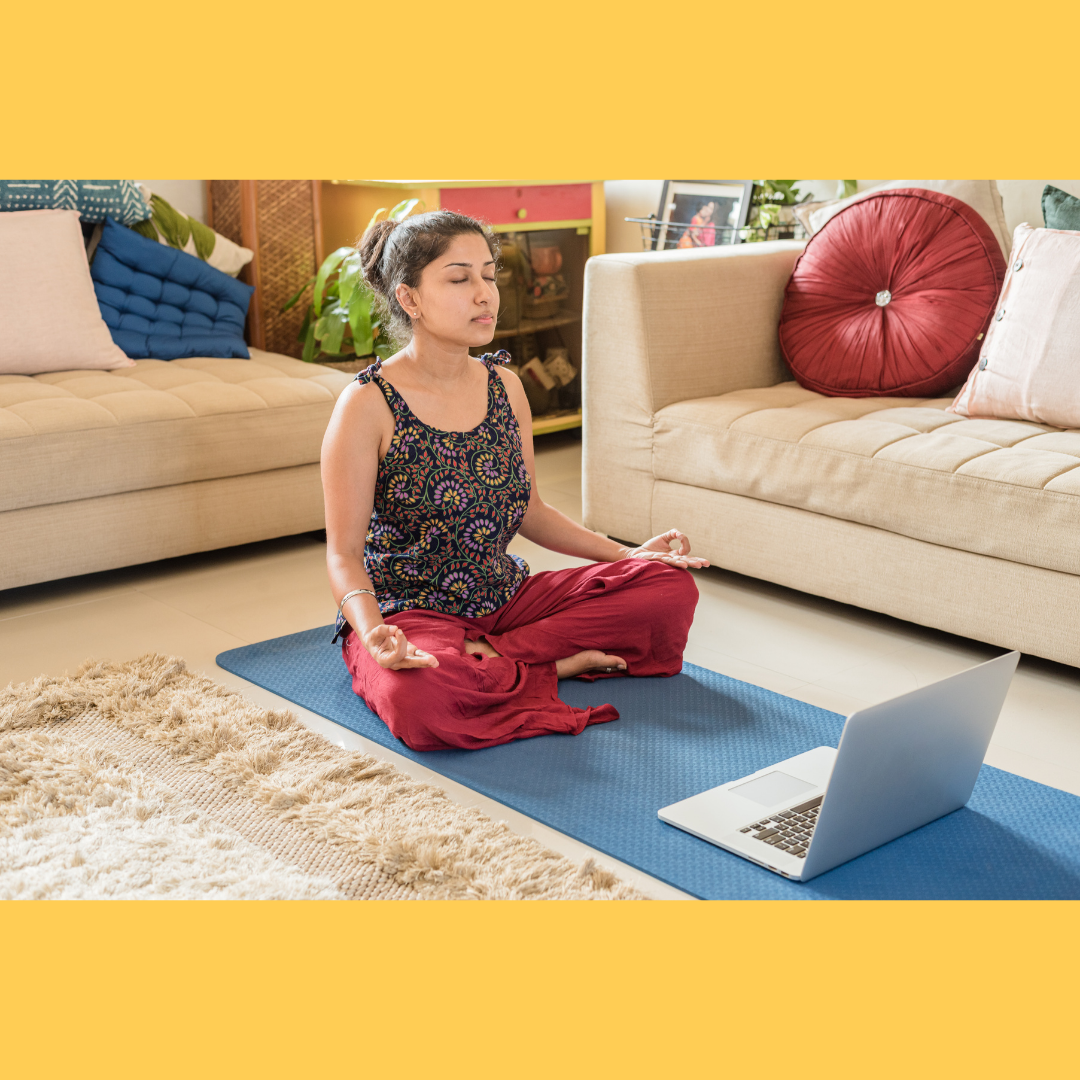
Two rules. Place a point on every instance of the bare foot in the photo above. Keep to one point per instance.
(589, 660)
(479, 648)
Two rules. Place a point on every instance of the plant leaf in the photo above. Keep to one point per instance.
(350, 276)
(333, 325)
(303, 288)
(403, 209)
(330, 264)
(305, 325)
(308, 354)
(360, 321)
(383, 352)
(375, 217)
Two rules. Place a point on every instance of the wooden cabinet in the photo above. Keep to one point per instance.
(550, 204)
(569, 214)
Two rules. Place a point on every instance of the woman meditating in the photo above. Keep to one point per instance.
(428, 474)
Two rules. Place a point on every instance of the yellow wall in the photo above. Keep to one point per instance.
(347, 209)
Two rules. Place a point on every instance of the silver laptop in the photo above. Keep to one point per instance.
(900, 765)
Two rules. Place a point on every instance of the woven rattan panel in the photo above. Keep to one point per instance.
(286, 257)
(225, 208)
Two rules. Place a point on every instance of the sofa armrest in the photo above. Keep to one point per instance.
(662, 327)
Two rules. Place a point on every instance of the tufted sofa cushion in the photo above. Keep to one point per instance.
(161, 303)
(1004, 488)
(68, 435)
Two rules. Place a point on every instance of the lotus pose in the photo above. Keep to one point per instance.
(428, 474)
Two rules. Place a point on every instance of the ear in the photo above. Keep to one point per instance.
(405, 297)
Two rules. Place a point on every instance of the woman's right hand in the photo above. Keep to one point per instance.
(390, 649)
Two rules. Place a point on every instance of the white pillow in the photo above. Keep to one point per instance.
(49, 314)
(227, 257)
(1027, 366)
(981, 195)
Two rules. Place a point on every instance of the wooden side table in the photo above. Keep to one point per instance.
(572, 210)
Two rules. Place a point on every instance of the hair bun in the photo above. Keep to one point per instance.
(372, 246)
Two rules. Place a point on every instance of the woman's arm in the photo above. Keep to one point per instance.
(546, 526)
(357, 436)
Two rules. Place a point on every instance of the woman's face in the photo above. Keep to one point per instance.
(707, 211)
(457, 297)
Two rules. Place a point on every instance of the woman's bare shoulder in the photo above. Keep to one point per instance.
(510, 380)
(361, 415)
(361, 399)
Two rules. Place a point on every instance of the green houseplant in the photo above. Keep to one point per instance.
(341, 321)
(769, 199)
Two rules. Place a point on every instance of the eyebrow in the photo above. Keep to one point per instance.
(490, 262)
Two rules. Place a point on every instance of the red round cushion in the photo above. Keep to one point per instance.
(892, 297)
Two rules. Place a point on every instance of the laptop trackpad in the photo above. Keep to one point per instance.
(773, 788)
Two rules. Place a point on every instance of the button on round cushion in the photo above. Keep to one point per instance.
(892, 297)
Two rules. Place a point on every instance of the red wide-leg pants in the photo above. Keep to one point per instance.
(638, 610)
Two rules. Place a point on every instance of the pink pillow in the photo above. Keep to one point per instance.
(1028, 367)
(49, 314)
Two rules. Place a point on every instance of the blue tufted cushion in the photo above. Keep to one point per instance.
(165, 304)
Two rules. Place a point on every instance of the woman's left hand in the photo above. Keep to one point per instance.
(659, 549)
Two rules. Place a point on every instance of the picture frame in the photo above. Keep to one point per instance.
(702, 213)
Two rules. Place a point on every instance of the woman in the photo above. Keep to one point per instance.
(702, 231)
(428, 474)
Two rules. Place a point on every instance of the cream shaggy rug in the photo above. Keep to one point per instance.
(142, 780)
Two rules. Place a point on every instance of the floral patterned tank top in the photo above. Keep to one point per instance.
(447, 503)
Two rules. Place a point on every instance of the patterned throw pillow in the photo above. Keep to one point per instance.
(94, 199)
(167, 225)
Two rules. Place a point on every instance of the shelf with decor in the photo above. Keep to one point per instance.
(557, 421)
(548, 231)
(534, 326)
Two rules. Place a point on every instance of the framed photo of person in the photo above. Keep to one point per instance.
(702, 213)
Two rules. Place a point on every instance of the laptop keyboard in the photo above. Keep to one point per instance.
(790, 830)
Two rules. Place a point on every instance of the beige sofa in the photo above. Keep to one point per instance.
(692, 420)
(106, 469)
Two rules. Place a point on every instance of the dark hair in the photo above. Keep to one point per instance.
(395, 253)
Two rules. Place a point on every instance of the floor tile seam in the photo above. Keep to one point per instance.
(239, 564)
(197, 618)
(65, 606)
(764, 667)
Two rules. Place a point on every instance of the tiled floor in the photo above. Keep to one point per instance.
(825, 653)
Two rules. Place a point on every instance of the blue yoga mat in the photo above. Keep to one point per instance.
(1015, 839)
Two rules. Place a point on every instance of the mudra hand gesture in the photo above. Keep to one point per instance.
(390, 649)
(660, 549)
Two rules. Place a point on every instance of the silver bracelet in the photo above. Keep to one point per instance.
(349, 595)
